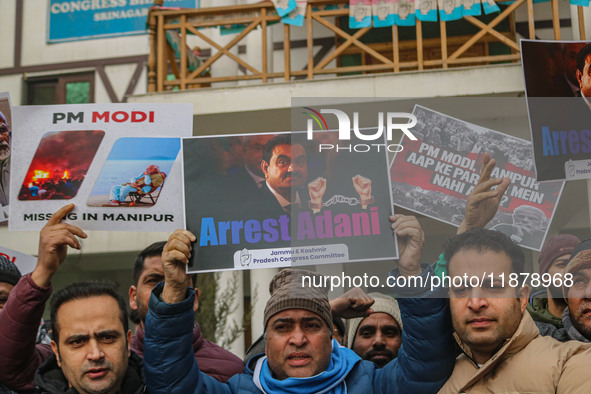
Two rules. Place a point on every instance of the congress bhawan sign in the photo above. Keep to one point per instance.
(72, 20)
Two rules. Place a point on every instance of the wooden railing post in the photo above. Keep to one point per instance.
(310, 41)
(395, 49)
(555, 20)
(581, 15)
(419, 30)
(530, 20)
(443, 34)
(152, 54)
(264, 42)
(183, 73)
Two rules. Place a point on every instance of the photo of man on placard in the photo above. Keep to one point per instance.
(583, 73)
(4, 159)
(558, 88)
(5, 136)
(296, 197)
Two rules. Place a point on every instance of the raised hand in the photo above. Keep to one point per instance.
(175, 257)
(354, 303)
(483, 202)
(316, 189)
(362, 186)
(55, 237)
(410, 243)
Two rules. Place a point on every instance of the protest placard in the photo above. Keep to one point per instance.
(274, 200)
(435, 175)
(558, 90)
(24, 262)
(5, 133)
(116, 162)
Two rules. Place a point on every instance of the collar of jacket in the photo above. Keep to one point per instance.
(525, 333)
(49, 378)
(137, 341)
(251, 363)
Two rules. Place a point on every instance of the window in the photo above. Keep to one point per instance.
(61, 89)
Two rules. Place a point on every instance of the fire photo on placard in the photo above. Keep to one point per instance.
(60, 165)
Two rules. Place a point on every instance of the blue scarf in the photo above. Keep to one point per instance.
(332, 380)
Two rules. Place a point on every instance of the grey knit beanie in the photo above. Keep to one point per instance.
(287, 292)
(579, 260)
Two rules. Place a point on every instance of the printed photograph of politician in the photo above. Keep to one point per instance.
(269, 191)
(135, 172)
(5, 137)
(557, 78)
(435, 175)
(551, 68)
(60, 164)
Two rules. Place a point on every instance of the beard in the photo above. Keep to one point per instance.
(583, 325)
(388, 353)
(4, 150)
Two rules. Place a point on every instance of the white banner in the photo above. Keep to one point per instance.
(119, 163)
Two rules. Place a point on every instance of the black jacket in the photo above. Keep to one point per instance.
(49, 378)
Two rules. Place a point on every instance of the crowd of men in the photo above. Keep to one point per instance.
(461, 338)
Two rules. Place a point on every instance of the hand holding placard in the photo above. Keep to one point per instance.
(175, 257)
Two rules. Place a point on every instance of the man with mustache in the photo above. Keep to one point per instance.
(576, 317)
(147, 273)
(503, 350)
(4, 161)
(528, 225)
(91, 348)
(285, 169)
(147, 182)
(253, 156)
(378, 336)
(300, 355)
(548, 303)
(91, 344)
(584, 73)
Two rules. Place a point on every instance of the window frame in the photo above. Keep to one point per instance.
(60, 81)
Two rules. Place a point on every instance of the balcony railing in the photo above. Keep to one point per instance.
(173, 65)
